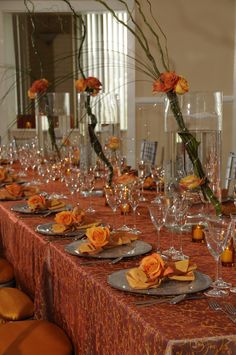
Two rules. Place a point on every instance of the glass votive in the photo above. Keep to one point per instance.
(227, 257)
(198, 235)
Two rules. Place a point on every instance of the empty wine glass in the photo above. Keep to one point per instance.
(171, 224)
(142, 175)
(112, 200)
(158, 217)
(217, 235)
(181, 209)
(157, 173)
(123, 193)
(134, 202)
(89, 185)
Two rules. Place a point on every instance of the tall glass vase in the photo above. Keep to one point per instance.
(52, 113)
(202, 114)
(87, 154)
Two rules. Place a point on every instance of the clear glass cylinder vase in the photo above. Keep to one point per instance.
(52, 113)
(202, 114)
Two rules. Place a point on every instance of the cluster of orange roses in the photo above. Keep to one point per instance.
(152, 270)
(170, 81)
(91, 85)
(38, 87)
(7, 176)
(68, 220)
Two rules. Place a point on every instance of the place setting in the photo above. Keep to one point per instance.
(40, 205)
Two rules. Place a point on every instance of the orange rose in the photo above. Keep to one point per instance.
(80, 85)
(154, 267)
(65, 217)
(38, 87)
(37, 202)
(78, 215)
(90, 84)
(166, 82)
(182, 86)
(98, 236)
(93, 85)
(190, 182)
(3, 174)
(113, 143)
(14, 190)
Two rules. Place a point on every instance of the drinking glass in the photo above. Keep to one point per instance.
(112, 200)
(181, 209)
(123, 193)
(90, 184)
(233, 235)
(134, 202)
(217, 235)
(158, 213)
(142, 175)
(157, 173)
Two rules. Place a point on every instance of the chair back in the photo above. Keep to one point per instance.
(148, 152)
(230, 170)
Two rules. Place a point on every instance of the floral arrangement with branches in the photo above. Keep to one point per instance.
(38, 91)
(165, 81)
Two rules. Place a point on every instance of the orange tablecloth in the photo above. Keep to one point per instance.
(98, 318)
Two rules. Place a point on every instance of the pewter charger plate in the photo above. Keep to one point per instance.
(24, 208)
(135, 248)
(169, 287)
(46, 229)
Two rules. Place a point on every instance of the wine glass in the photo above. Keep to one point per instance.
(123, 193)
(182, 207)
(233, 235)
(158, 213)
(89, 184)
(171, 224)
(157, 173)
(217, 235)
(112, 200)
(142, 175)
(134, 202)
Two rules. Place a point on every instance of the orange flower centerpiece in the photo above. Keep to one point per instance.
(38, 92)
(92, 86)
(164, 79)
(113, 143)
(153, 270)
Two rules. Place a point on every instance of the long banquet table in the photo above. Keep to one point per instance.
(98, 318)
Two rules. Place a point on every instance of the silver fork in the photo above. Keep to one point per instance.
(217, 307)
(230, 308)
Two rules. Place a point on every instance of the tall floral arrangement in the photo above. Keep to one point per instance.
(92, 87)
(38, 91)
(165, 81)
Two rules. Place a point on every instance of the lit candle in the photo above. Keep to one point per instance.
(198, 233)
(227, 257)
(28, 124)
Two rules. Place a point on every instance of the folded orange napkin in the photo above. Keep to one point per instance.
(152, 271)
(100, 238)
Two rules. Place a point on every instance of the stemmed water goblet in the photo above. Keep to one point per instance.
(217, 235)
(89, 184)
(142, 175)
(123, 193)
(157, 173)
(112, 200)
(158, 213)
(182, 207)
(134, 202)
